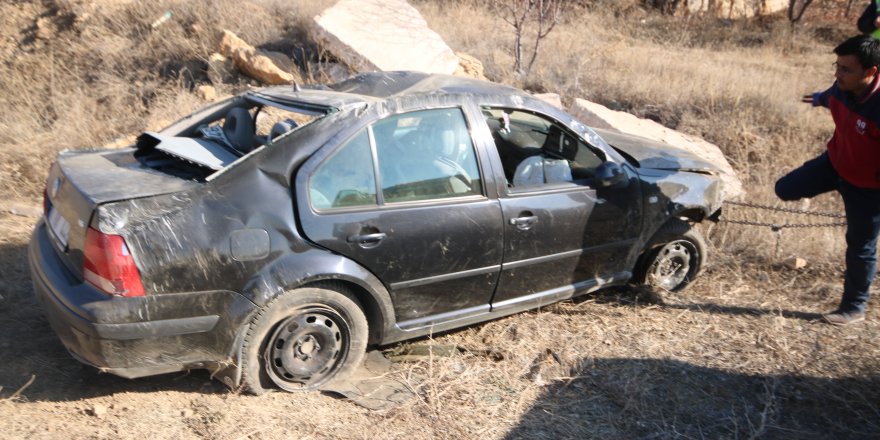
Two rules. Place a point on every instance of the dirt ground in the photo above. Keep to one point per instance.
(740, 355)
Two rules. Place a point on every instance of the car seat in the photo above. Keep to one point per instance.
(281, 127)
(239, 129)
(536, 170)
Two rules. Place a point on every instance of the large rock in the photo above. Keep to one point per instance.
(550, 98)
(599, 116)
(731, 9)
(370, 35)
(268, 67)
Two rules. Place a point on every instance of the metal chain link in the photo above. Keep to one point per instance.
(776, 227)
(789, 210)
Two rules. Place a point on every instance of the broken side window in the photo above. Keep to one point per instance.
(538, 150)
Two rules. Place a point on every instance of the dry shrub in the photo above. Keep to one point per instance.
(92, 73)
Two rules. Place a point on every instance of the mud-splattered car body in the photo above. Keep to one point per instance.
(526, 207)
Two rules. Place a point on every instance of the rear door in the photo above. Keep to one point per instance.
(405, 198)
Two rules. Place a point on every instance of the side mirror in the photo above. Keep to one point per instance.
(609, 174)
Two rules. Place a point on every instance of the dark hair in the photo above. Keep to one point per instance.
(865, 47)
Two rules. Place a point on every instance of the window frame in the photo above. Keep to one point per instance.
(381, 203)
(509, 189)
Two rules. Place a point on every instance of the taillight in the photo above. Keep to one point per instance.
(109, 266)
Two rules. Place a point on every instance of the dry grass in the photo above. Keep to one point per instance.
(737, 85)
(740, 355)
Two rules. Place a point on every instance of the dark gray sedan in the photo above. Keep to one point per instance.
(272, 237)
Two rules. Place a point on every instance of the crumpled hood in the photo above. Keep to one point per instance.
(657, 155)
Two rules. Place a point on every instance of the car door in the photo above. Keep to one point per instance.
(404, 197)
(563, 231)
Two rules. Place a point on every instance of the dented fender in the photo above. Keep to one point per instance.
(674, 194)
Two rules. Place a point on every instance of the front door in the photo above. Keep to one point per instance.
(404, 198)
(562, 232)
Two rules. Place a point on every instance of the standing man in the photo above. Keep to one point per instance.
(851, 166)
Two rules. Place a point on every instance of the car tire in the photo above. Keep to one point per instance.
(303, 340)
(674, 257)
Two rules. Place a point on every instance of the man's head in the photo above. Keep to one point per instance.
(857, 63)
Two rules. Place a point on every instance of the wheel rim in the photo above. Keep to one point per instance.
(671, 268)
(306, 349)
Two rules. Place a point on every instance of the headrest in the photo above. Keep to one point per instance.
(239, 129)
(281, 127)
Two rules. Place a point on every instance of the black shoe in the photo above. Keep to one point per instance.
(843, 318)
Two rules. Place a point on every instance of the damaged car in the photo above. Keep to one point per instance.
(273, 237)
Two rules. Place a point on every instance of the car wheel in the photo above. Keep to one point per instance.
(674, 258)
(303, 340)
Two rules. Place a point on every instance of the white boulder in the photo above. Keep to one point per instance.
(371, 35)
(599, 116)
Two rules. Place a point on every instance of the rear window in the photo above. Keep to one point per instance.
(217, 141)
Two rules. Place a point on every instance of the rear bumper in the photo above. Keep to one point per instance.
(133, 337)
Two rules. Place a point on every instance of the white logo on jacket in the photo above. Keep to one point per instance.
(860, 126)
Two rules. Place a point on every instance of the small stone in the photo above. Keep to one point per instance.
(187, 413)
(44, 28)
(796, 263)
(98, 411)
(208, 93)
(469, 66)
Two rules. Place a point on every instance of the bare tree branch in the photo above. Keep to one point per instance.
(548, 11)
(796, 9)
(519, 13)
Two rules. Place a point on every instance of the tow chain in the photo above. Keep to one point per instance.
(776, 227)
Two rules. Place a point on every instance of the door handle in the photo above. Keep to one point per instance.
(367, 241)
(524, 223)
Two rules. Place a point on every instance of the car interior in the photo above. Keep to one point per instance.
(536, 151)
(218, 141)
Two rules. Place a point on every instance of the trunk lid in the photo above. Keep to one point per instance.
(79, 181)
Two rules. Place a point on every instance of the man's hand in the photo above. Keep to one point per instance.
(808, 98)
